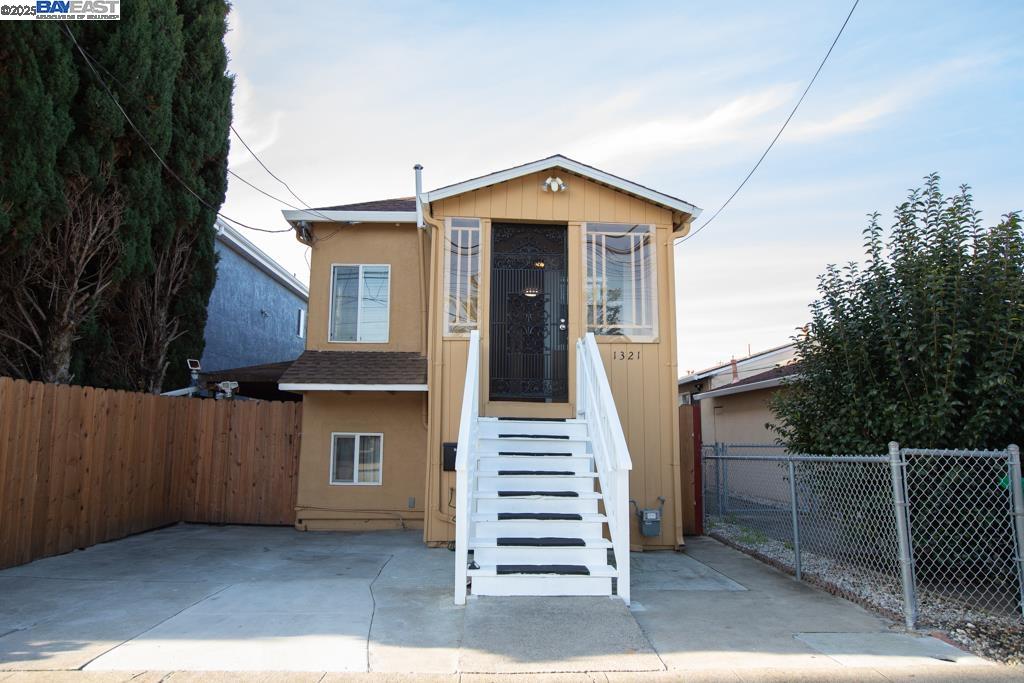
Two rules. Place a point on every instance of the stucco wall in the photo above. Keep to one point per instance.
(251, 318)
(368, 243)
(738, 418)
(400, 418)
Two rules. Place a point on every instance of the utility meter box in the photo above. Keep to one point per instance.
(649, 519)
(650, 522)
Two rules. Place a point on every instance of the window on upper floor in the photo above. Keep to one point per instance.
(360, 303)
(461, 274)
(357, 458)
(300, 324)
(621, 284)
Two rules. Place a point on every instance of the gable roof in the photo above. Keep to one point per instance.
(403, 209)
(573, 166)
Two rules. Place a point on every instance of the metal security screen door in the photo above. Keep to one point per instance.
(529, 313)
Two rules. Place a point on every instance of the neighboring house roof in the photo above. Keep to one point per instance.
(265, 372)
(356, 371)
(236, 242)
(763, 380)
(403, 210)
(398, 204)
(740, 364)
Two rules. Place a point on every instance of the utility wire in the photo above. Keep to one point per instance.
(272, 174)
(148, 144)
(777, 135)
(250, 184)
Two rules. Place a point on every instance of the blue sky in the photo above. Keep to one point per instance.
(341, 99)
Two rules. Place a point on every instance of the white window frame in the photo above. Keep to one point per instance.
(446, 280)
(359, 307)
(301, 323)
(645, 337)
(355, 459)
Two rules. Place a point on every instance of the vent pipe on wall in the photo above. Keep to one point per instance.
(419, 199)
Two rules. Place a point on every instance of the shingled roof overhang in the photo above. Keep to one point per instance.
(356, 371)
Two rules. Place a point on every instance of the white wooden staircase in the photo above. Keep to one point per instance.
(540, 503)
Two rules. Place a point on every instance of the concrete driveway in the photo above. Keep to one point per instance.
(341, 606)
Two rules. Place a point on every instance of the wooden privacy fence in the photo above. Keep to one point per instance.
(80, 465)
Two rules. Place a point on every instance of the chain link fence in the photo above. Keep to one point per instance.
(932, 536)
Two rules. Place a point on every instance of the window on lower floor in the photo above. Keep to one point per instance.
(621, 284)
(461, 274)
(357, 458)
(360, 303)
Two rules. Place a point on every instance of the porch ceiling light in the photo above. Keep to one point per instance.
(531, 292)
(538, 264)
(554, 184)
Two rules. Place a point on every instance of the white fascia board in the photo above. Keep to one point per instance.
(741, 388)
(249, 251)
(350, 216)
(352, 387)
(576, 167)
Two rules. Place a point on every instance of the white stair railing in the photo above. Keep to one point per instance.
(594, 403)
(466, 464)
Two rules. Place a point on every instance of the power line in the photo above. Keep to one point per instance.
(148, 144)
(272, 174)
(250, 184)
(777, 135)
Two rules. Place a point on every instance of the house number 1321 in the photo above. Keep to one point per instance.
(625, 355)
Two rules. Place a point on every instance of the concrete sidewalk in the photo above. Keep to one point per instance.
(277, 604)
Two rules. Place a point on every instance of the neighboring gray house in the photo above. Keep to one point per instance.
(257, 311)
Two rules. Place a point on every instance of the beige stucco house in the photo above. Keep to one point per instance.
(455, 335)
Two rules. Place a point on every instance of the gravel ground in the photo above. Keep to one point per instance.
(995, 637)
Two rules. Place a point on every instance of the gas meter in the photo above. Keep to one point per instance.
(649, 519)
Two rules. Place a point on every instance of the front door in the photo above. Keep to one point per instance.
(529, 313)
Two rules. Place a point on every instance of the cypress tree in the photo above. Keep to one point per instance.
(202, 123)
(64, 139)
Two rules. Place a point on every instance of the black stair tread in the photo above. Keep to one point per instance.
(545, 541)
(560, 494)
(533, 436)
(530, 473)
(569, 569)
(564, 516)
(560, 455)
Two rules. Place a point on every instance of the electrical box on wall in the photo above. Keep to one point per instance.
(448, 456)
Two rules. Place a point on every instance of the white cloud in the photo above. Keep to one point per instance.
(734, 120)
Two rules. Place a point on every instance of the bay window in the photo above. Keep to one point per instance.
(360, 303)
(461, 275)
(621, 283)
